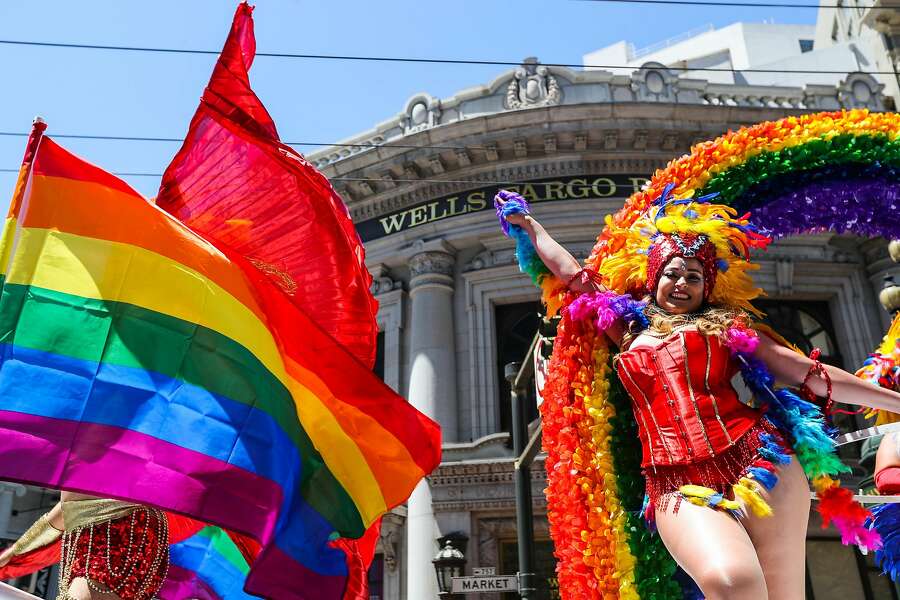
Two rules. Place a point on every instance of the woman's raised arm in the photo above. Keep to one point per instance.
(559, 260)
(790, 368)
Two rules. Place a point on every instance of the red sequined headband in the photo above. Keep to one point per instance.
(689, 245)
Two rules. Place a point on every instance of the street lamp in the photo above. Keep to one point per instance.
(448, 563)
(890, 295)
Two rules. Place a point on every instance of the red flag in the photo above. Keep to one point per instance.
(235, 183)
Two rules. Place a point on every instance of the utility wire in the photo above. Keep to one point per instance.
(738, 4)
(445, 61)
(377, 180)
(78, 136)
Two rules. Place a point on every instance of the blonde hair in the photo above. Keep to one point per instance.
(712, 320)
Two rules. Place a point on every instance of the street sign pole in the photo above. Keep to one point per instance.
(524, 517)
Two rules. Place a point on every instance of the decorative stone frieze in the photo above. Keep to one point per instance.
(610, 140)
(382, 281)
(431, 268)
(581, 142)
(437, 165)
(860, 90)
(550, 142)
(431, 263)
(520, 148)
(670, 141)
(483, 486)
(532, 86)
(411, 170)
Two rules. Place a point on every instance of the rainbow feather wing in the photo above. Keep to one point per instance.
(834, 170)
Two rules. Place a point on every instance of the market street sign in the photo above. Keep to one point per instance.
(614, 185)
(498, 583)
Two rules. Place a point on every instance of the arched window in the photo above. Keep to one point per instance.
(807, 325)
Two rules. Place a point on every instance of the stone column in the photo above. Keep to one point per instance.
(432, 390)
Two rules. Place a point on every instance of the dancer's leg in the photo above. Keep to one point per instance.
(715, 550)
(780, 539)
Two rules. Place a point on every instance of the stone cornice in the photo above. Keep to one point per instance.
(530, 144)
(533, 86)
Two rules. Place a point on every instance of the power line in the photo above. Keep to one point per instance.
(737, 4)
(377, 180)
(79, 136)
(444, 61)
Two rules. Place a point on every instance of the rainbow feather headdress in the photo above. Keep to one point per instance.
(624, 268)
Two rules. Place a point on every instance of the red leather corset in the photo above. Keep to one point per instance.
(681, 393)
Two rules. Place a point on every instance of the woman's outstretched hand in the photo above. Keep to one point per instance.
(512, 209)
(514, 219)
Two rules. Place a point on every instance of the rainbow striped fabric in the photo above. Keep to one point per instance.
(206, 566)
(142, 362)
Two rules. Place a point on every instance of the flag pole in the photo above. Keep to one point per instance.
(34, 139)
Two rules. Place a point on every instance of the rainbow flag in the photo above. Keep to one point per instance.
(206, 566)
(143, 362)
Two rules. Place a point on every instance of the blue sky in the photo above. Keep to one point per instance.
(139, 94)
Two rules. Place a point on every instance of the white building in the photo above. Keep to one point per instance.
(852, 38)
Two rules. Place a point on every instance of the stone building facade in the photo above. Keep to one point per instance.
(454, 306)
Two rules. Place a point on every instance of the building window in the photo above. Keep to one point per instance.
(807, 325)
(806, 45)
(516, 325)
(378, 369)
(376, 578)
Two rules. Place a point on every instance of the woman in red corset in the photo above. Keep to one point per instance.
(710, 455)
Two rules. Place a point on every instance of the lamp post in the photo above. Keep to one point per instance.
(448, 563)
(890, 295)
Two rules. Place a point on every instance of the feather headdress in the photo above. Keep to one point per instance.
(624, 266)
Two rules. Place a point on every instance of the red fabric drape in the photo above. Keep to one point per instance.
(234, 182)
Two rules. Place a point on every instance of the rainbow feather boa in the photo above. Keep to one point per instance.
(812, 442)
(553, 291)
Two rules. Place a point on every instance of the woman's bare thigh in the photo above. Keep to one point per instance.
(780, 539)
(714, 549)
